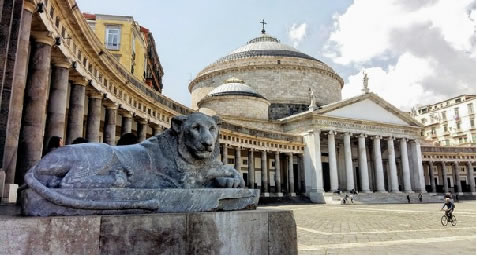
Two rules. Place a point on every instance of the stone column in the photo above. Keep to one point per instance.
(300, 185)
(455, 174)
(110, 124)
(278, 178)
(56, 117)
(378, 163)
(224, 153)
(392, 165)
(317, 178)
(406, 175)
(332, 161)
(431, 176)
(363, 163)
(291, 177)
(13, 125)
(251, 169)
(126, 122)
(36, 96)
(94, 116)
(238, 159)
(155, 130)
(264, 171)
(444, 177)
(348, 162)
(141, 130)
(470, 177)
(421, 183)
(76, 110)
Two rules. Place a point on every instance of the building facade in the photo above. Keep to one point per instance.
(297, 135)
(132, 44)
(450, 122)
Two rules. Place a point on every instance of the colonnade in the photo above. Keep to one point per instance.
(444, 176)
(286, 165)
(362, 171)
(40, 108)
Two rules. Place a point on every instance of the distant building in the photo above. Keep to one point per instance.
(450, 122)
(131, 44)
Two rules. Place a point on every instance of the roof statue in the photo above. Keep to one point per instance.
(312, 106)
(365, 83)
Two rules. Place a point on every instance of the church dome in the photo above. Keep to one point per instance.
(234, 86)
(265, 45)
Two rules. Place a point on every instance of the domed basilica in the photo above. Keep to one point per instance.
(362, 143)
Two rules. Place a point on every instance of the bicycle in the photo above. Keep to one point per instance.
(445, 220)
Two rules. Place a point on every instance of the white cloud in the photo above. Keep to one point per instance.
(297, 33)
(428, 47)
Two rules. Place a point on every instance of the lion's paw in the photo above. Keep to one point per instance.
(229, 182)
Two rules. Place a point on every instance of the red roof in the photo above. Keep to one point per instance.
(89, 16)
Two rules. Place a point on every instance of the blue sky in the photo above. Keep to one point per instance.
(399, 43)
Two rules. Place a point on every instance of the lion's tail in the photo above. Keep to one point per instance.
(59, 199)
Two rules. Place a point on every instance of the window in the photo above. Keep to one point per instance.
(446, 143)
(457, 125)
(444, 116)
(423, 121)
(472, 123)
(113, 38)
(445, 128)
(456, 113)
(433, 131)
(470, 108)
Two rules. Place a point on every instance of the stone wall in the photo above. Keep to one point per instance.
(239, 232)
(279, 110)
(278, 85)
(235, 105)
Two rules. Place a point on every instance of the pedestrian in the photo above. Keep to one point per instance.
(351, 197)
(420, 197)
(408, 199)
(53, 143)
(79, 140)
(345, 198)
(457, 198)
(127, 139)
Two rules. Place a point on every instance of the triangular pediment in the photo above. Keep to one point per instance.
(368, 107)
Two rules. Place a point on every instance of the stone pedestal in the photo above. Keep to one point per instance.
(10, 193)
(239, 232)
(316, 197)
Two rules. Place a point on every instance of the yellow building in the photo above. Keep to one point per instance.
(124, 38)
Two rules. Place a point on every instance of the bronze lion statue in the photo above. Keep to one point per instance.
(184, 156)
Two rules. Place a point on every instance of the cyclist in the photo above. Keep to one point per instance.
(450, 208)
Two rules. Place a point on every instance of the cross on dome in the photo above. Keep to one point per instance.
(263, 26)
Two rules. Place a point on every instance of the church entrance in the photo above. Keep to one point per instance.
(326, 177)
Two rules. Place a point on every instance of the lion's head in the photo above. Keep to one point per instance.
(198, 135)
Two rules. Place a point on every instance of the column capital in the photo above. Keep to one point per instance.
(405, 139)
(109, 105)
(377, 137)
(125, 113)
(29, 5)
(44, 37)
(141, 121)
(316, 131)
(331, 132)
(251, 149)
(277, 152)
(79, 81)
(348, 133)
(390, 137)
(362, 135)
(238, 147)
(290, 153)
(61, 63)
(94, 94)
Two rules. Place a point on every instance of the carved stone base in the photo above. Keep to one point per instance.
(168, 200)
(261, 231)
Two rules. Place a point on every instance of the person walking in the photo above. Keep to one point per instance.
(408, 199)
(420, 197)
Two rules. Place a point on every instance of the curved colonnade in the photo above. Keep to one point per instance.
(74, 87)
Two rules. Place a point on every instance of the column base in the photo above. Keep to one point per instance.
(366, 192)
(316, 197)
(396, 192)
(292, 194)
(10, 193)
(266, 194)
(2, 183)
(408, 192)
(384, 192)
(280, 194)
(460, 193)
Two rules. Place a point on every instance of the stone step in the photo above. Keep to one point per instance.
(384, 198)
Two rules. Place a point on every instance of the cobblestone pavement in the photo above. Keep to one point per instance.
(383, 229)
